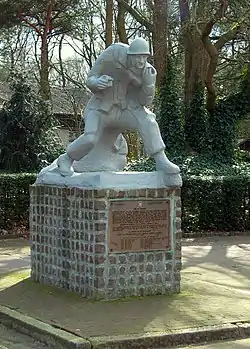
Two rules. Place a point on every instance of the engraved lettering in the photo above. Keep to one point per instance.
(134, 227)
(126, 244)
(138, 216)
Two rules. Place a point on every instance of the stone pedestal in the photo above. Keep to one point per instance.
(74, 247)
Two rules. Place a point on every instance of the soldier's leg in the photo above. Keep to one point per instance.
(144, 121)
(82, 145)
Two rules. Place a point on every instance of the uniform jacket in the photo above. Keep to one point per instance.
(127, 89)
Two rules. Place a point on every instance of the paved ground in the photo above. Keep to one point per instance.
(240, 344)
(10, 339)
(215, 290)
(14, 255)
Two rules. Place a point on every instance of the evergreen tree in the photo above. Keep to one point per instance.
(170, 110)
(196, 122)
(28, 139)
(47, 19)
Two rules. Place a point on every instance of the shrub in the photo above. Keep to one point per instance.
(215, 132)
(27, 130)
(14, 198)
(196, 122)
(215, 196)
(215, 203)
(169, 109)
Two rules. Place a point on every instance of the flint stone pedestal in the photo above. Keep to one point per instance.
(73, 244)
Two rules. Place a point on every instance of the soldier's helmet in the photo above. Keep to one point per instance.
(139, 46)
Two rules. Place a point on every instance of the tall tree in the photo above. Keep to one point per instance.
(28, 139)
(109, 23)
(154, 20)
(213, 49)
(14, 50)
(120, 23)
(160, 38)
(47, 19)
(204, 35)
(196, 58)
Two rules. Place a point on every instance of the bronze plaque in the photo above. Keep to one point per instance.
(139, 225)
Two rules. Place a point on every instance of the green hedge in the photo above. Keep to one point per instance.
(14, 198)
(209, 203)
(215, 203)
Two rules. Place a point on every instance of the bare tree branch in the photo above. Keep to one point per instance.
(139, 17)
(213, 53)
(75, 82)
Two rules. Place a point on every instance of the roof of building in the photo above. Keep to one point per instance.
(65, 101)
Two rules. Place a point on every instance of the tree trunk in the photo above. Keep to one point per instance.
(160, 38)
(248, 71)
(196, 62)
(120, 23)
(109, 22)
(213, 50)
(44, 70)
(61, 61)
(196, 57)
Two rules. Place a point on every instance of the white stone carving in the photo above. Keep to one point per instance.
(109, 180)
(123, 84)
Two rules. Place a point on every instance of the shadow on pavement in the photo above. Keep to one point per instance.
(227, 258)
(215, 290)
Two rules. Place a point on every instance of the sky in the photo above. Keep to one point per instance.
(67, 51)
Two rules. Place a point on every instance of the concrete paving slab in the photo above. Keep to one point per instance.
(239, 344)
(10, 339)
(215, 291)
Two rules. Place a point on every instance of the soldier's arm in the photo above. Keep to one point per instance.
(146, 95)
(147, 90)
(98, 69)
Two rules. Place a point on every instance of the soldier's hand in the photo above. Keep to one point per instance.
(104, 81)
(149, 76)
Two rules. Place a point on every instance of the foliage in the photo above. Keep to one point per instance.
(134, 143)
(215, 195)
(8, 17)
(223, 131)
(223, 123)
(33, 12)
(170, 110)
(46, 19)
(27, 130)
(216, 203)
(199, 165)
(196, 122)
(214, 133)
(14, 198)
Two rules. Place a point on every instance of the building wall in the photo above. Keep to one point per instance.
(67, 136)
(64, 135)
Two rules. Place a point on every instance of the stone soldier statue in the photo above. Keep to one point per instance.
(123, 84)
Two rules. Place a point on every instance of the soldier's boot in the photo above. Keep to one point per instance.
(164, 164)
(64, 163)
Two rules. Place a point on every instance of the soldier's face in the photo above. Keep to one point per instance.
(138, 61)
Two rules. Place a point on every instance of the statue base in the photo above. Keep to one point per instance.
(107, 243)
(110, 180)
